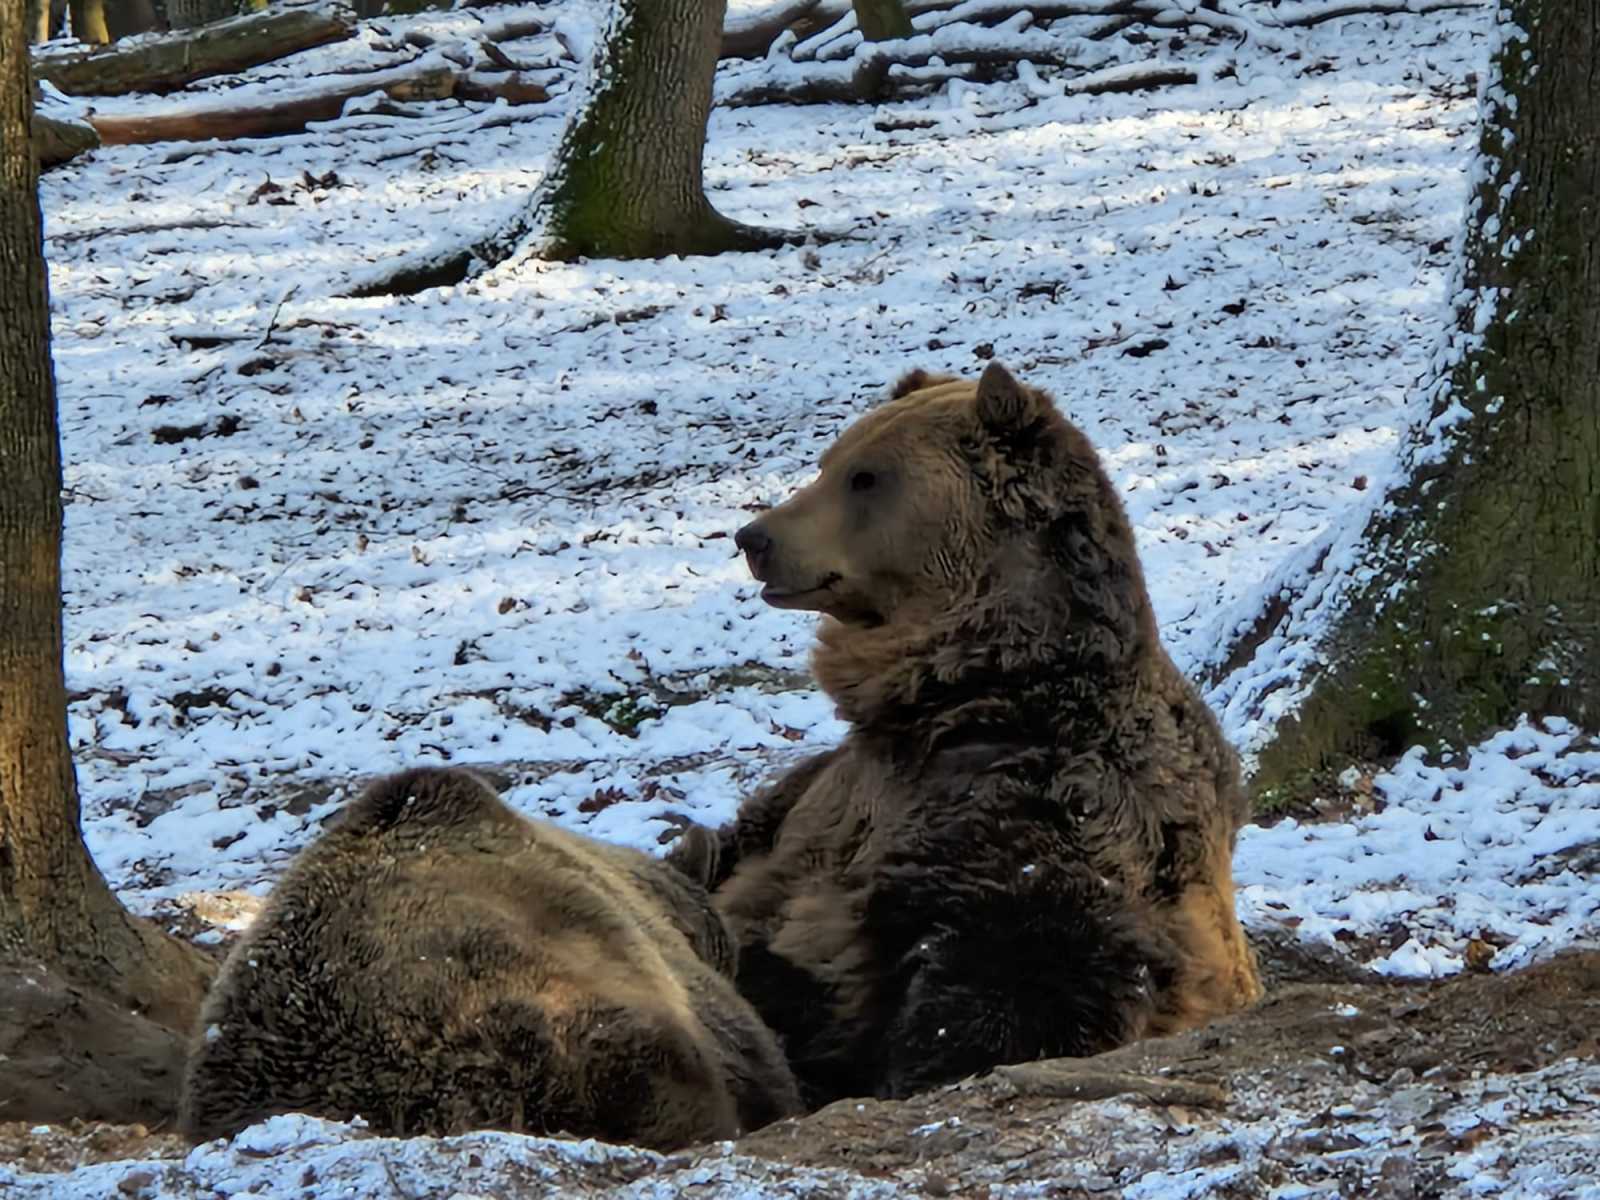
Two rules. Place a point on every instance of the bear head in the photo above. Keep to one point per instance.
(957, 527)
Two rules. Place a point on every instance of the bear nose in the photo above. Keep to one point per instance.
(756, 544)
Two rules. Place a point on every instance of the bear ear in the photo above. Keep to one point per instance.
(1003, 403)
(916, 380)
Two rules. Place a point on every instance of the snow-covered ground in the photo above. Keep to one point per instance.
(1398, 1141)
(311, 539)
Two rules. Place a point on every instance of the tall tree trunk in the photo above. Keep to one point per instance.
(627, 181)
(881, 20)
(126, 18)
(1475, 595)
(57, 914)
(191, 14)
(89, 21)
(41, 21)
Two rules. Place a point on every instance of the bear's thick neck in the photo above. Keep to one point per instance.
(1005, 662)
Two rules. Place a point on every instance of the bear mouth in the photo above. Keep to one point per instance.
(780, 597)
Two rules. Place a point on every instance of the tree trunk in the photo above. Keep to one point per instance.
(126, 18)
(89, 21)
(627, 179)
(41, 21)
(191, 14)
(57, 914)
(881, 20)
(1475, 596)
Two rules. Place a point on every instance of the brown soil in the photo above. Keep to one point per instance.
(1288, 1092)
(31, 1147)
(1304, 1040)
(69, 1053)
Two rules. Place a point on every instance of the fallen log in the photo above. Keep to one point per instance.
(509, 86)
(167, 61)
(275, 114)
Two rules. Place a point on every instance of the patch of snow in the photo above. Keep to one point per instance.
(313, 538)
(1496, 846)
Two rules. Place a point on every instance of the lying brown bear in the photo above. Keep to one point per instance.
(434, 962)
(1023, 847)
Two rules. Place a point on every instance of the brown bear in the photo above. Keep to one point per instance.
(435, 962)
(1023, 847)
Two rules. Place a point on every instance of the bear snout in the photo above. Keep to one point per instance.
(756, 543)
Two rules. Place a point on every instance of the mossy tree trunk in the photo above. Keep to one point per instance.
(56, 910)
(1476, 592)
(881, 20)
(627, 180)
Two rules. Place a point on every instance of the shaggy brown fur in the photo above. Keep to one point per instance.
(1023, 847)
(435, 962)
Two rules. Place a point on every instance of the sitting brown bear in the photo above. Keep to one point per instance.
(434, 962)
(1023, 847)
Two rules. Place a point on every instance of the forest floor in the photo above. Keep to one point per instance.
(1487, 1084)
(313, 538)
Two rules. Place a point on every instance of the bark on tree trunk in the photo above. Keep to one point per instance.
(881, 20)
(41, 22)
(627, 179)
(89, 21)
(191, 14)
(129, 17)
(1478, 595)
(55, 907)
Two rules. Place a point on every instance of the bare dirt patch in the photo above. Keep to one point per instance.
(1368, 1088)
(121, 1066)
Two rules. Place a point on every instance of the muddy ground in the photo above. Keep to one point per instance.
(1343, 1085)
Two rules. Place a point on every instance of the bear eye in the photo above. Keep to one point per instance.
(863, 481)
